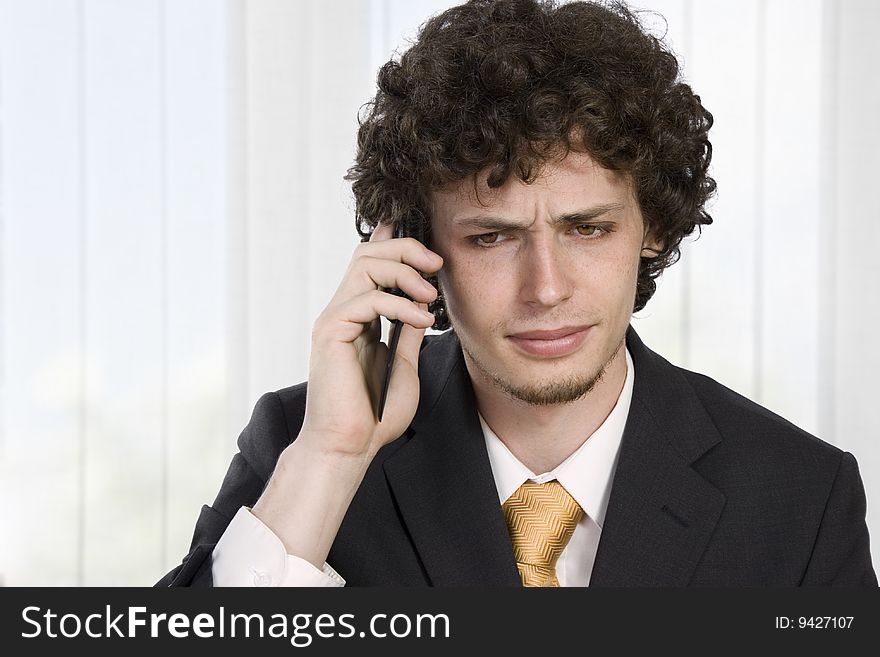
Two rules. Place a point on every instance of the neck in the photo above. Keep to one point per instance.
(542, 437)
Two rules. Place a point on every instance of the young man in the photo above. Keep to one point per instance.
(555, 162)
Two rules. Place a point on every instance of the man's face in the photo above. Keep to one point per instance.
(559, 253)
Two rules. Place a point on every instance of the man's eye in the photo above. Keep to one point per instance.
(487, 239)
(588, 231)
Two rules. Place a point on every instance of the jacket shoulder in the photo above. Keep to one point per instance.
(292, 403)
(744, 424)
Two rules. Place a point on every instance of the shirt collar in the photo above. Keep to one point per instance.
(587, 474)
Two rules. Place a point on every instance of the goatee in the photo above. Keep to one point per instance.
(560, 391)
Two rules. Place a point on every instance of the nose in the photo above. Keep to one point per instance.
(546, 274)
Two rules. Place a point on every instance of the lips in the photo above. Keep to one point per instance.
(551, 343)
(553, 334)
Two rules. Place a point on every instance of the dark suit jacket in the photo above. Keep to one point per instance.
(710, 490)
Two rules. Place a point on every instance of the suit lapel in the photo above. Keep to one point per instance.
(661, 512)
(442, 480)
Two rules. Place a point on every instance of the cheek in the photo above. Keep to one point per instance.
(608, 270)
(627, 271)
(622, 264)
(625, 284)
(608, 283)
(468, 286)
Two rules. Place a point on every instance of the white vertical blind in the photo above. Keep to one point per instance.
(41, 355)
(855, 225)
(306, 76)
(277, 134)
(722, 311)
(196, 150)
(791, 229)
(173, 219)
(125, 322)
(114, 171)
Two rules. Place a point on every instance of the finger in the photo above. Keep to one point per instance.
(411, 341)
(345, 322)
(382, 232)
(404, 249)
(369, 273)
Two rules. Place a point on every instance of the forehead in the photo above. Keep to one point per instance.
(573, 182)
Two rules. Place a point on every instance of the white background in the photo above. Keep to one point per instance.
(173, 218)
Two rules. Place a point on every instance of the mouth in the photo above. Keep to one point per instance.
(550, 343)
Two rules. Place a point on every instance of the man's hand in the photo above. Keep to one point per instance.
(347, 364)
(318, 474)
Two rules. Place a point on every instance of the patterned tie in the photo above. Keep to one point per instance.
(541, 519)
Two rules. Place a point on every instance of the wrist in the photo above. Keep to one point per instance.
(307, 497)
(329, 452)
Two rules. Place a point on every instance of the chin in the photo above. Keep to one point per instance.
(552, 391)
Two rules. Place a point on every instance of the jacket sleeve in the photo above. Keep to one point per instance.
(259, 446)
(841, 554)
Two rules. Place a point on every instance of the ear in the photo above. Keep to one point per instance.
(650, 246)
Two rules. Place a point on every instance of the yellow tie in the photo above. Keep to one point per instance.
(541, 519)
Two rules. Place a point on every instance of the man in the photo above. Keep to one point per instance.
(555, 161)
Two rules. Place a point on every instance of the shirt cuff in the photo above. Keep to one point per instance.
(250, 554)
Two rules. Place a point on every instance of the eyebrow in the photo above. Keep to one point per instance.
(490, 222)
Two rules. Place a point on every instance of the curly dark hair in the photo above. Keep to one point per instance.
(504, 86)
